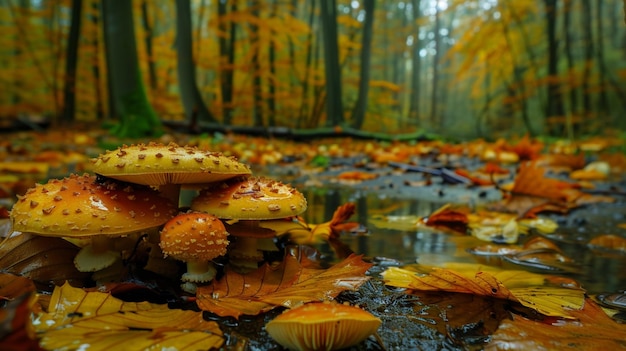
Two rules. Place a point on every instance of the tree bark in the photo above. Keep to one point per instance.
(71, 61)
(227, 58)
(414, 105)
(360, 107)
(131, 106)
(334, 105)
(195, 108)
(147, 26)
(554, 106)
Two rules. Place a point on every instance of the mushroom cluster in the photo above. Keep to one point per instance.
(136, 192)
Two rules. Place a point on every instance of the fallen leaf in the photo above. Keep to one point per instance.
(287, 284)
(448, 217)
(590, 329)
(357, 175)
(42, 259)
(608, 242)
(76, 319)
(527, 288)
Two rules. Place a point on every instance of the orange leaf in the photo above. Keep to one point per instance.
(446, 217)
(593, 330)
(288, 284)
(357, 175)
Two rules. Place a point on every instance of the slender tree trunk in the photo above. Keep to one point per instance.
(573, 93)
(304, 103)
(360, 107)
(257, 88)
(71, 61)
(227, 57)
(434, 111)
(272, 81)
(414, 106)
(95, 65)
(195, 108)
(147, 26)
(603, 99)
(588, 54)
(555, 99)
(334, 106)
(131, 106)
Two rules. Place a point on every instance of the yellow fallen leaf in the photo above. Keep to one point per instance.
(76, 319)
(527, 288)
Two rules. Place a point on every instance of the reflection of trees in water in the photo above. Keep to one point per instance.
(402, 245)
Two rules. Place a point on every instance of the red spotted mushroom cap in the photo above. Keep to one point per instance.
(252, 198)
(160, 164)
(79, 206)
(194, 237)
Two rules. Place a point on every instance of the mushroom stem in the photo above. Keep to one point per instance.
(171, 192)
(199, 271)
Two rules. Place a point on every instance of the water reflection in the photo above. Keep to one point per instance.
(409, 244)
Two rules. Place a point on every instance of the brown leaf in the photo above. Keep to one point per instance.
(288, 284)
(448, 217)
(592, 329)
(42, 259)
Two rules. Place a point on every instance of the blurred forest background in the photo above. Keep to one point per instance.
(471, 68)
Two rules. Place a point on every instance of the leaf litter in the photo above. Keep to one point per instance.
(434, 171)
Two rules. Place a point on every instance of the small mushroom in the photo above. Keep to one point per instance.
(195, 238)
(85, 209)
(167, 166)
(247, 201)
(322, 326)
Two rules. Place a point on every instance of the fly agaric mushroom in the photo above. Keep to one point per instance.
(195, 238)
(167, 166)
(322, 326)
(249, 200)
(81, 207)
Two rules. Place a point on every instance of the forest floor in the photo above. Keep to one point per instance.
(477, 186)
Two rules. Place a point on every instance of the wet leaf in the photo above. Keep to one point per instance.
(12, 286)
(591, 329)
(76, 319)
(42, 259)
(529, 289)
(453, 219)
(533, 192)
(289, 284)
(609, 243)
(357, 175)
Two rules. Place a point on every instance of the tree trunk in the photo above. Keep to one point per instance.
(434, 111)
(573, 93)
(334, 106)
(554, 106)
(304, 103)
(257, 88)
(195, 109)
(71, 60)
(272, 81)
(360, 107)
(414, 106)
(588, 40)
(147, 26)
(131, 106)
(227, 58)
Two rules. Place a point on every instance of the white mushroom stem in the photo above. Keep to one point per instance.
(199, 272)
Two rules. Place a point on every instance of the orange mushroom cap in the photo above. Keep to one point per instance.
(252, 198)
(322, 326)
(159, 164)
(194, 237)
(80, 206)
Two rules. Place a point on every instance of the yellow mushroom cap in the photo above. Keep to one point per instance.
(252, 198)
(79, 206)
(160, 164)
(194, 237)
(322, 326)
